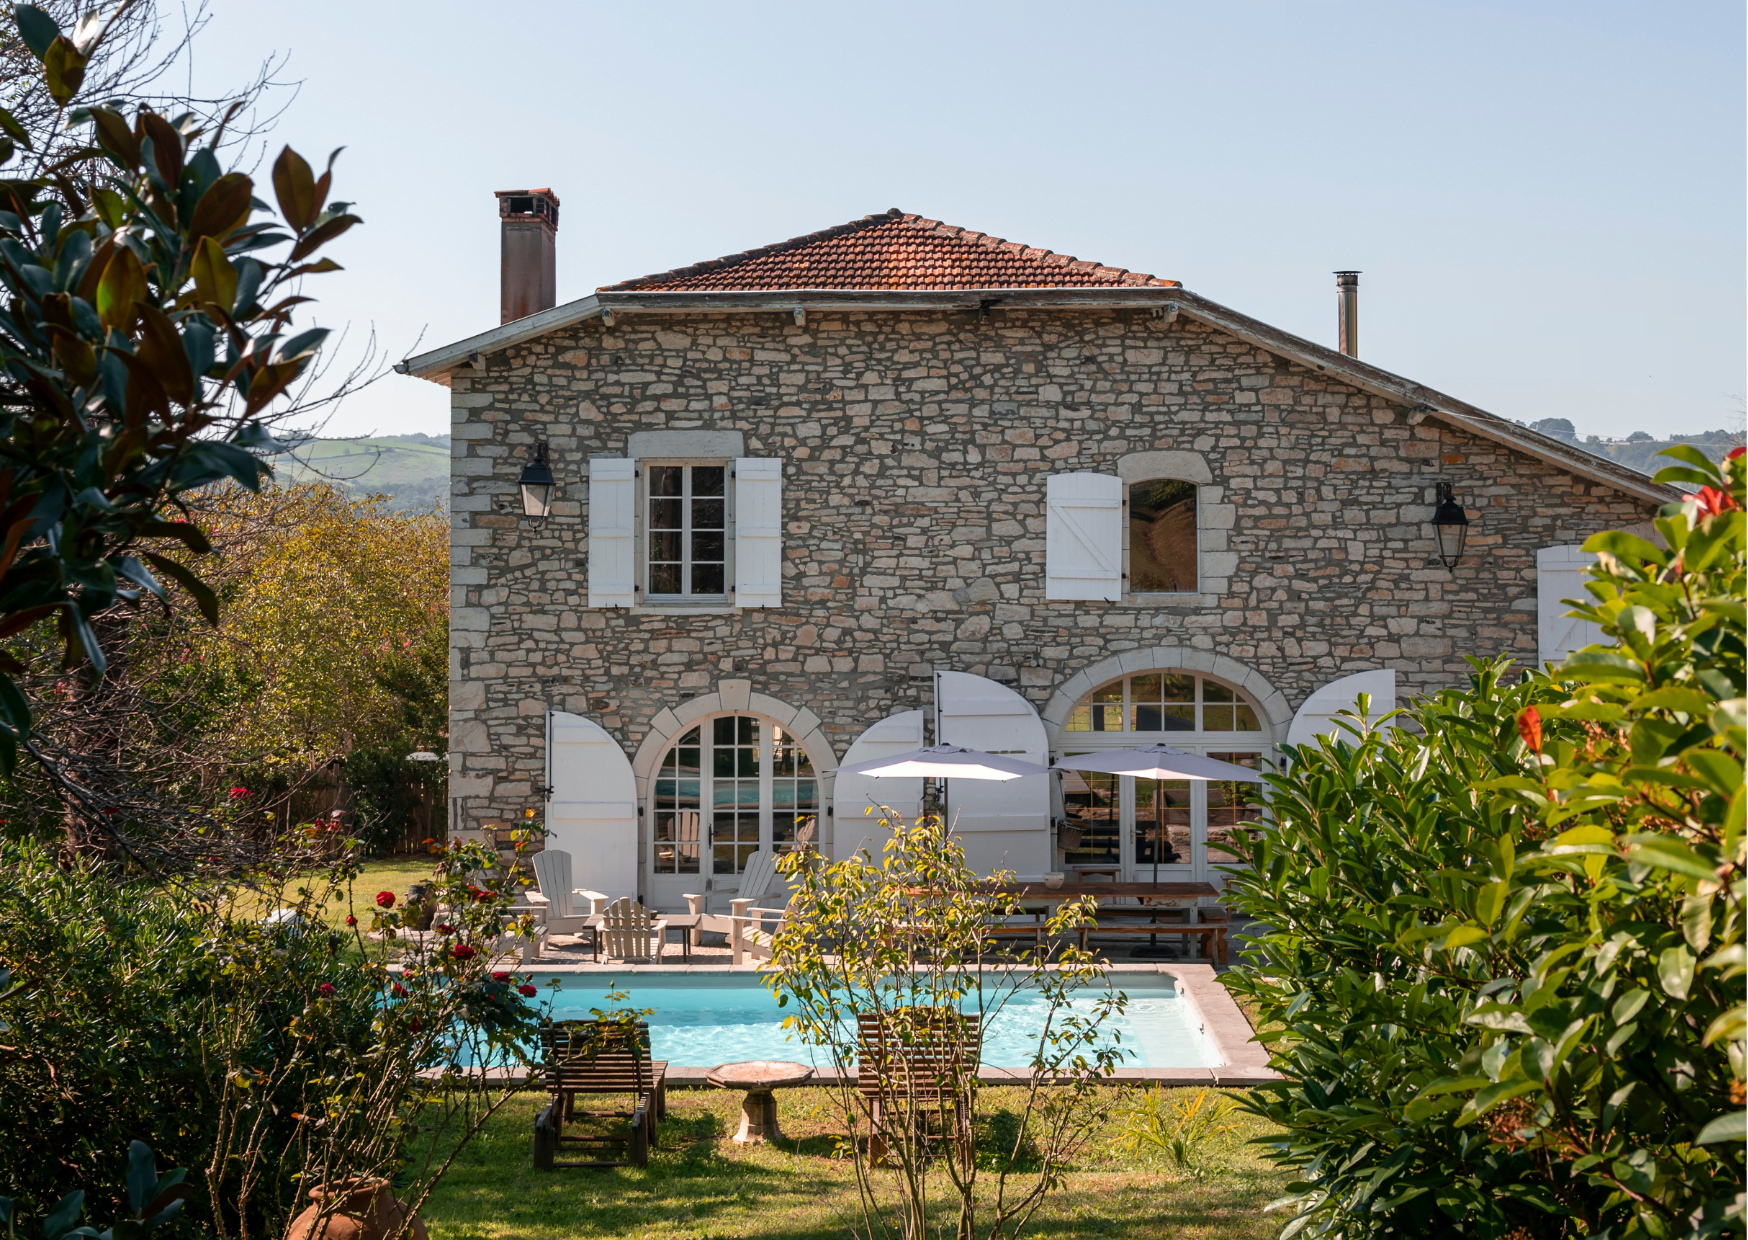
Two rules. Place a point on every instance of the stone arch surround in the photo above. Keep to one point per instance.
(1277, 714)
(732, 696)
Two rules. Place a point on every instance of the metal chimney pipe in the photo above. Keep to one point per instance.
(1347, 293)
(527, 252)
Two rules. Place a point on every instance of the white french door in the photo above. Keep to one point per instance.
(728, 786)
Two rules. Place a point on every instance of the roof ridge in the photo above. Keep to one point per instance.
(1012, 250)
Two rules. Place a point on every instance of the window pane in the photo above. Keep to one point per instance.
(749, 762)
(1144, 688)
(665, 479)
(723, 769)
(724, 730)
(1231, 802)
(1247, 720)
(707, 514)
(664, 547)
(1080, 719)
(1090, 807)
(1178, 688)
(1107, 718)
(664, 514)
(1177, 719)
(707, 546)
(748, 729)
(1162, 536)
(707, 479)
(664, 578)
(1146, 719)
(806, 794)
(1216, 718)
(707, 579)
(1162, 821)
(686, 756)
(1110, 693)
(1212, 692)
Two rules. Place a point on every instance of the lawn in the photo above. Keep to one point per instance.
(391, 874)
(701, 1186)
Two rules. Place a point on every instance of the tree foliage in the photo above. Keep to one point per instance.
(145, 342)
(1503, 968)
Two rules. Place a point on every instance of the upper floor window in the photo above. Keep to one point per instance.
(687, 529)
(1164, 702)
(1162, 537)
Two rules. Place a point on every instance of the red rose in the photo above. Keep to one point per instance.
(1733, 453)
(500, 977)
(237, 794)
(351, 920)
(325, 989)
(385, 899)
(461, 951)
(413, 1024)
(444, 929)
(399, 991)
(527, 991)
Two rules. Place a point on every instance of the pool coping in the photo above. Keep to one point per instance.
(1243, 1060)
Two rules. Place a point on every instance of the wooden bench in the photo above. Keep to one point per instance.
(1213, 932)
(599, 1057)
(917, 1056)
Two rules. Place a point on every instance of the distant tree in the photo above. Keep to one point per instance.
(1560, 428)
(1638, 437)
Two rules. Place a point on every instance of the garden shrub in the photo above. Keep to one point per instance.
(1502, 965)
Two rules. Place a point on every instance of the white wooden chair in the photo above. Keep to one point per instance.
(630, 932)
(758, 880)
(751, 930)
(556, 898)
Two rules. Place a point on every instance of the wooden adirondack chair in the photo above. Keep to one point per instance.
(630, 932)
(757, 879)
(751, 930)
(914, 1063)
(564, 912)
(599, 1057)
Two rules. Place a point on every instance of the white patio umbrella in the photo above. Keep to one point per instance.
(943, 762)
(1158, 762)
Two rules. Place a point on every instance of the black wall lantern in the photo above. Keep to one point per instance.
(537, 485)
(1451, 524)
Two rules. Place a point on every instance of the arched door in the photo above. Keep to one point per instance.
(1172, 829)
(727, 787)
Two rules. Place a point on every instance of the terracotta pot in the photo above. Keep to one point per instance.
(365, 1210)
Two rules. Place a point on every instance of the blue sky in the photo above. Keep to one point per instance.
(1547, 200)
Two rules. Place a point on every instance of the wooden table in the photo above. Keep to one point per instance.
(1160, 893)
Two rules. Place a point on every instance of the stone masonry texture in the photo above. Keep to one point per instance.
(916, 448)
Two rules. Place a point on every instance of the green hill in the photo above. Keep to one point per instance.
(412, 469)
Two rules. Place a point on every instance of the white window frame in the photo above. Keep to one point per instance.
(1143, 596)
(643, 533)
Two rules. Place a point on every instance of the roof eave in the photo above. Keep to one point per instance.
(437, 364)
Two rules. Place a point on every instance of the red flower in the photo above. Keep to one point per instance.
(351, 920)
(461, 951)
(1733, 453)
(413, 1024)
(1712, 501)
(527, 991)
(385, 899)
(237, 794)
(444, 929)
(325, 989)
(500, 977)
(399, 991)
(1529, 726)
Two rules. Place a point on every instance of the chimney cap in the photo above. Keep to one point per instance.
(1341, 280)
(532, 204)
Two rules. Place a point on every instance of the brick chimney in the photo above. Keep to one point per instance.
(528, 235)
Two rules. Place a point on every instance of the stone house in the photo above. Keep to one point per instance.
(897, 481)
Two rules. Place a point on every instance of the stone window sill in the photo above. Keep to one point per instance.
(684, 609)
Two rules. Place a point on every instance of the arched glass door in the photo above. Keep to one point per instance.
(1144, 828)
(727, 787)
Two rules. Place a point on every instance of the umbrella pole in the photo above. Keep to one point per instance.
(1153, 951)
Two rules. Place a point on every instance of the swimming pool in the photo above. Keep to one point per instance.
(705, 1019)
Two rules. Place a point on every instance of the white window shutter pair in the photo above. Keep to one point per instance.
(1560, 575)
(1083, 537)
(758, 532)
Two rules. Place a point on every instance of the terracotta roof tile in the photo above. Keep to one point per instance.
(890, 251)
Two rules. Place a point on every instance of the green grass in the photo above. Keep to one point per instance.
(394, 874)
(701, 1186)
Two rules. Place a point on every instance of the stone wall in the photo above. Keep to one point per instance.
(918, 447)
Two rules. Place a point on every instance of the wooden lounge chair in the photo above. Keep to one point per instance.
(914, 1063)
(630, 932)
(599, 1057)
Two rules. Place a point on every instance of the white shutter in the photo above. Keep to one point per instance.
(1004, 825)
(1560, 575)
(1317, 716)
(852, 829)
(758, 532)
(1083, 537)
(591, 812)
(612, 532)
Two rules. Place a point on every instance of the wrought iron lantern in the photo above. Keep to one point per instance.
(1451, 524)
(537, 485)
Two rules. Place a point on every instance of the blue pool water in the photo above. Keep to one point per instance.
(703, 1020)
